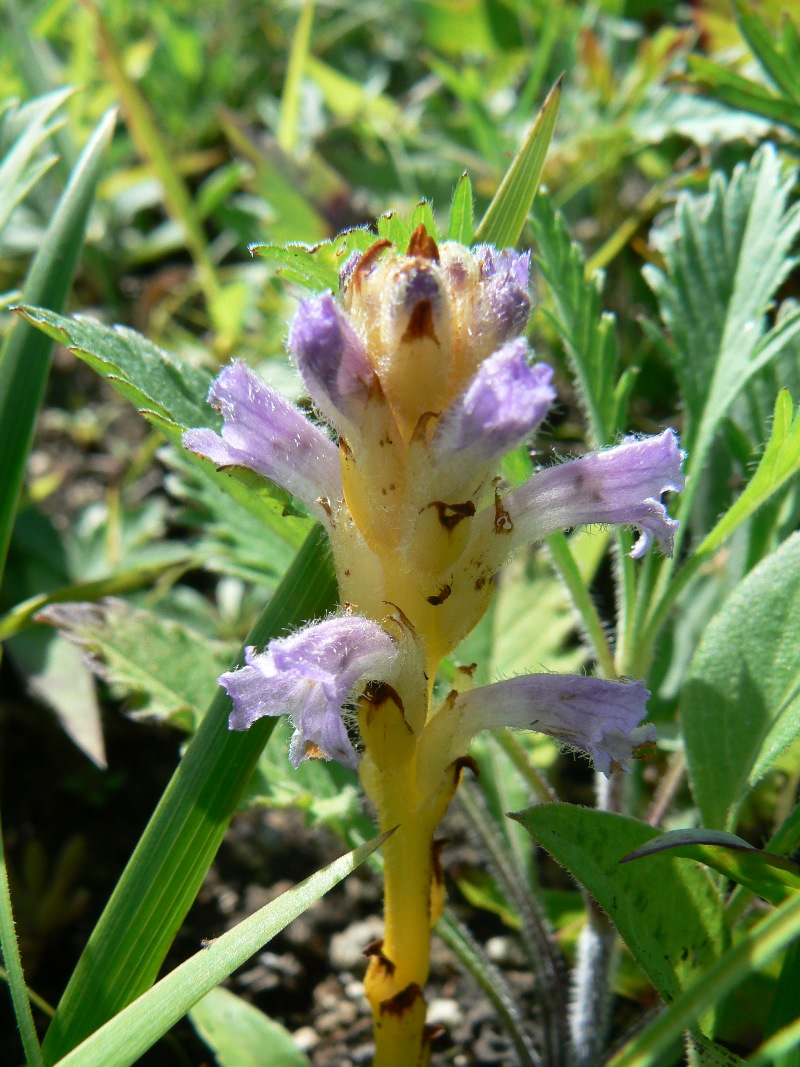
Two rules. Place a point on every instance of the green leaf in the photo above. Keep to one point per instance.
(393, 227)
(240, 1035)
(741, 93)
(741, 701)
(171, 669)
(16, 977)
(151, 899)
(169, 393)
(124, 1038)
(461, 226)
(779, 463)
(587, 331)
(20, 168)
(668, 914)
(56, 675)
(423, 215)
(25, 357)
(730, 253)
(779, 68)
(753, 951)
(315, 267)
(771, 877)
(505, 217)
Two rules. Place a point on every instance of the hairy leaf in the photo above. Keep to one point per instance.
(741, 703)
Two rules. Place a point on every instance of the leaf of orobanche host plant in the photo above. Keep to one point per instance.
(171, 669)
(741, 703)
(240, 1035)
(732, 253)
(772, 877)
(669, 915)
(169, 392)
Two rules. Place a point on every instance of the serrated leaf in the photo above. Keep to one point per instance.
(588, 332)
(461, 226)
(240, 1035)
(741, 93)
(730, 253)
(169, 393)
(171, 670)
(669, 916)
(741, 702)
(769, 876)
(505, 217)
(123, 1040)
(781, 71)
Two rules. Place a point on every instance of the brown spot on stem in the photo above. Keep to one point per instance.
(422, 244)
(480, 583)
(374, 951)
(440, 597)
(403, 1001)
(450, 515)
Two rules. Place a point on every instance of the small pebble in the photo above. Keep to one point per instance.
(306, 1038)
(445, 1012)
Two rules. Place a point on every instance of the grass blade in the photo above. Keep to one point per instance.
(162, 878)
(505, 217)
(123, 1039)
(25, 359)
(16, 978)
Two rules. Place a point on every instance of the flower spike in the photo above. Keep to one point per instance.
(267, 434)
(310, 676)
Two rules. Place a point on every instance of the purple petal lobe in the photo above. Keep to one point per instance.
(621, 486)
(267, 434)
(310, 676)
(504, 304)
(504, 403)
(331, 358)
(598, 717)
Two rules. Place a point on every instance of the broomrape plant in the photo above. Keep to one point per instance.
(420, 368)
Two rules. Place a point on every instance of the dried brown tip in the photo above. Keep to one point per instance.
(423, 245)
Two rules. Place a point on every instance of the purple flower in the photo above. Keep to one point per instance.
(503, 405)
(310, 676)
(504, 302)
(598, 717)
(621, 486)
(332, 359)
(265, 433)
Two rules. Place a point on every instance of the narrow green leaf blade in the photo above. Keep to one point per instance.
(123, 1039)
(741, 700)
(13, 963)
(772, 877)
(668, 915)
(166, 870)
(25, 358)
(505, 217)
(756, 32)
